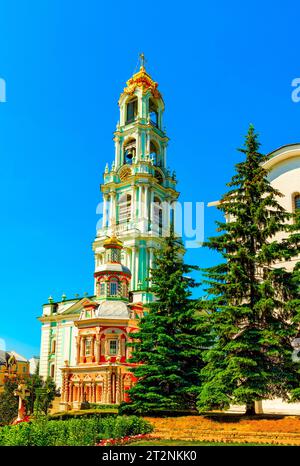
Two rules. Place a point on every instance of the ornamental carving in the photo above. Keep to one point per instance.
(144, 82)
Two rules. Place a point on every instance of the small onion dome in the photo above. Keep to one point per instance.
(113, 242)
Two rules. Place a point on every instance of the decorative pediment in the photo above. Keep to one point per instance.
(77, 307)
(99, 378)
(87, 378)
(75, 378)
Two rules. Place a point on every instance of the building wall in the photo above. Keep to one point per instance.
(64, 333)
(285, 176)
(22, 370)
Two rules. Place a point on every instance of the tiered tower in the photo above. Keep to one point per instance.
(138, 190)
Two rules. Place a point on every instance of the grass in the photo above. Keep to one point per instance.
(215, 428)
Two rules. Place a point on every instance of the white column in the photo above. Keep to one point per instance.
(164, 155)
(151, 208)
(122, 114)
(136, 269)
(150, 255)
(151, 252)
(133, 255)
(117, 152)
(148, 144)
(140, 212)
(133, 204)
(113, 213)
(146, 210)
(110, 211)
(137, 145)
(104, 220)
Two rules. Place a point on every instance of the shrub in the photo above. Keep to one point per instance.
(63, 416)
(130, 409)
(72, 432)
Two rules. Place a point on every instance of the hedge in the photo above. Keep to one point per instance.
(87, 413)
(72, 432)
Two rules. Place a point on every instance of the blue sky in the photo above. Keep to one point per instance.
(220, 66)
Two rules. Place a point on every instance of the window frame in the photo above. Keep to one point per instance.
(110, 341)
(132, 104)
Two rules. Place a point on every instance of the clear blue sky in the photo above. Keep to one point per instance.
(220, 66)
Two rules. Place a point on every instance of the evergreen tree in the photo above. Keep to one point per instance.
(251, 320)
(49, 394)
(33, 382)
(8, 401)
(167, 346)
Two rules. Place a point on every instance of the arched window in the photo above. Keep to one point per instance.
(124, 289)
(88, 346)
(131, 110)
(154, 154)
(153, 113)
(53, 346)
(157, 215)
(52, 371)
(113, 347)
(297, 203)
(129, 151)
(113, 287)
(102, 285)
(125, 208)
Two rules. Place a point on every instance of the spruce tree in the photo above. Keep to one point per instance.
(252, 323)
(8, 401)
(167, 347)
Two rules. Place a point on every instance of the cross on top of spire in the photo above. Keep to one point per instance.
(142, 60)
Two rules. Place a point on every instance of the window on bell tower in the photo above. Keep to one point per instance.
(153, 113)
(129, 151)
(125, 208)
(158, 215)
(131, 110)
(154, 154)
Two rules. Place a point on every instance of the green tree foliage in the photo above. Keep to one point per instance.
(8, 402)
(33, 382)
(43, 396)
(252, 321)
(167, 346)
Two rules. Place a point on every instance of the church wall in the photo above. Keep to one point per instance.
(44, 353)
(285, 176)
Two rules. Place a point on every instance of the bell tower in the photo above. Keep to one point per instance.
(138, 189)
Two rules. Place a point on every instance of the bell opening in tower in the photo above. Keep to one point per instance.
(153, 113)
(129, 151)
(154, 154)
(131, 110)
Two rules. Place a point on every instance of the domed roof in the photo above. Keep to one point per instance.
(113, 241)
(113, 267)
(142, 80)
(113, 310)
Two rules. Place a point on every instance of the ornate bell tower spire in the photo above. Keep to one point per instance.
(138, 190)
